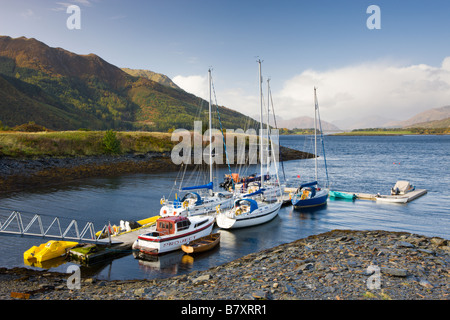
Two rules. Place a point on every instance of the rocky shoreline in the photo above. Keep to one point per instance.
(336, 265)
(22, 174)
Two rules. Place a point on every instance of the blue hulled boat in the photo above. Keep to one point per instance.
(311, 194)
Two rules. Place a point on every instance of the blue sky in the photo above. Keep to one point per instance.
(302, 43)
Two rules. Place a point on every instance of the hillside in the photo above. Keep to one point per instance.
(157, 77)
(304, 123)
(62, 90)
(444, 123)
(371, 121)
(426, 116)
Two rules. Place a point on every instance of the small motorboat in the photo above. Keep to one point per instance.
(202, 244)
(392, 199)
(402, 187)
(50, 250)
(170, 233)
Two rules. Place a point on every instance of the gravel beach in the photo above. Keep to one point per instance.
(336, 265)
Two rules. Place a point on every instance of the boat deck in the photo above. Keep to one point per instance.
(120, 244)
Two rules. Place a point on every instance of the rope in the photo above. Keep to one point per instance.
(221, 130)
(323, 145)
(275, 123)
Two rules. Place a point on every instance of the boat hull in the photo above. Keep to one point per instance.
(50, 250)
(156, 245)
(319, 199)
(265, 214)
(202, 244)
(392, 199)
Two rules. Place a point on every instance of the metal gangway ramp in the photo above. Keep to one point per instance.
(39, 225)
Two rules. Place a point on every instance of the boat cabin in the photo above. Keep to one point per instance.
(171, 225)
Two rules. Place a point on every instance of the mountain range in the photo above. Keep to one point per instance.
(422, 118)
(62, 90)
(303, 122)
(432, 118)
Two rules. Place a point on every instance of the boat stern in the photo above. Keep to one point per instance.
(224, 222)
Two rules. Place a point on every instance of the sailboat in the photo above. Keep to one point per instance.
(196, 201)
(248, 212)
(267, 183)
(310, 194)
(250, 209)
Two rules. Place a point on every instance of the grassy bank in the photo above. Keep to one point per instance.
(96, 143)
(80, 143)
(36, 159)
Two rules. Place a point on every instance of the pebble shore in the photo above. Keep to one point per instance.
(336, 265)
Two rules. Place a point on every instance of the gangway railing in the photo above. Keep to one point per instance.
(14, 224)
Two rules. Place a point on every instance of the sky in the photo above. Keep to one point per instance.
(394, 72)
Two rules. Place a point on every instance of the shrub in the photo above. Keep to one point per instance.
(110, 142)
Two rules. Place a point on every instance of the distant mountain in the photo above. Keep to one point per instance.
(426, 116)
(435, 124)
(157, 77)
(304, 123)
(62, 90)
(375, 121)
(372, 121)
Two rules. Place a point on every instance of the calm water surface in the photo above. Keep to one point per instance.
(359, 164)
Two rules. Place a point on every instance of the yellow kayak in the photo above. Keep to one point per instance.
(49, 250)
(148, 220)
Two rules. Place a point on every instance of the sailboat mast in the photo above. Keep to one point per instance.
(210, 130)
(261, 153)
(268, 128)
(315, 131)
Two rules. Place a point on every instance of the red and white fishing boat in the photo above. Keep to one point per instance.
(171, 233)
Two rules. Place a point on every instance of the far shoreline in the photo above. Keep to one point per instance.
(21, 174)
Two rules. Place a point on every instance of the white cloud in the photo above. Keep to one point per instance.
(197, 85)
(382, 89)
(27, 14)
(62, 6)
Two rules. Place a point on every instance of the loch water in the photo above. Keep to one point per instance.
(369, 164)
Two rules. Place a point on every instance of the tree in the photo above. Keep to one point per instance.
(110, 142)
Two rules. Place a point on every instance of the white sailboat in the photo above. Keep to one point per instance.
(248, 212)
(198, 202)
(250, 209)
(267, 183)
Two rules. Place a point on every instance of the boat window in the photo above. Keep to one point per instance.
(200, 223)
(164, 225)
(182, 225)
